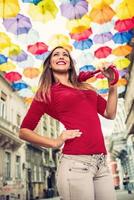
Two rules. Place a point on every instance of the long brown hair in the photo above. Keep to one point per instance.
(47, 78)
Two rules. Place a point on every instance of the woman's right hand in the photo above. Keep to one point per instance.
(65, 135)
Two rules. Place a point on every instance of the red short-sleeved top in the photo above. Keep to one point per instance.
(75, 109)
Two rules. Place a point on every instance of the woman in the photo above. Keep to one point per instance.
(82, 173)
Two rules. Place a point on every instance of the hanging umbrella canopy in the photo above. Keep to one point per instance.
(37, 48)
(26, 92)
(83, 44)
(121, 89)
(14, 50)
(32, 1)
(4, 41)
(7, 66)
(86, 68)
(74, 11)
(125, 9)
(122, 63)
(29, 38)
(31, 72)
(43, 56)
(102, 38)
(103, 52)
(9, 8)
(28, 62)
(97, 3)
(123, 72)
(19, 86)
(102, 28)
(102, 84)
(44, 11)
(17, 25)
(12, 76)
(122, 81)
(123, 50)
(20, 57)
(81, 36)
(78, 25)
(28, 100)
(3, 59)
(124, 25)
(121, 38)
(101, 14)
(58, 40)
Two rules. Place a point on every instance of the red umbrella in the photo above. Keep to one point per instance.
(124, 25)
(12, 76)
(37, 48)
(103, 52)
(81, 36)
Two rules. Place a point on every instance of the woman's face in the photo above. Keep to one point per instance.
(60, 60)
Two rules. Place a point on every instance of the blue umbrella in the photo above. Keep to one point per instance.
(32, 1)
(19, 86)
(86, 68)
(121, 38)
(83, 44)
(3, 59)
(43, 56)
(103, 91)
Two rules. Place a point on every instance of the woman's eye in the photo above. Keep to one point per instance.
(66, 55)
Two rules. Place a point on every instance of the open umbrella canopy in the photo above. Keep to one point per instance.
(31, 72)
(4, 40)
(9, 8)
(37, 48)
(58, 40)
(102, 38)
(7, 66)
(32, 1)
(13, 76)
(125, 9)
(3, 59)
(103, 52)
(81, 36)
(74, 11)
(14, 50)
(122, 63)
(26, 92)
(97, 3)
(121, 38)
(124, 25)
(86, 68)
(83, 44)
(22, 56)
(123, 50)
(19, 86)
(18, 25)
(101, 15)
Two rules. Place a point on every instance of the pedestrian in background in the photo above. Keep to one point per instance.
(126, 183)
(82, 173)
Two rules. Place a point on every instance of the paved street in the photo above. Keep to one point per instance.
(121, 195)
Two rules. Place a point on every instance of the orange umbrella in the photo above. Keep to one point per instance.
(122, 81)
(96, 3)
(101, 14)
(122, 50)
(31, 72)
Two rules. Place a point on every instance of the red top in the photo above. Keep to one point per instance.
(75, 109)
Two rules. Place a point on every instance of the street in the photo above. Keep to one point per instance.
(121, 195)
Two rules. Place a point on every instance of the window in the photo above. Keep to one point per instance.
(18, 167)
(7, 165)
(3, 98)
(35, 173)
(18, 120)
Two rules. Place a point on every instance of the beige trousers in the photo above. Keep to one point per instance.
(84, 177)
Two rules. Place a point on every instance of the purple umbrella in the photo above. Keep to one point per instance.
(19, 58)
(18, 25)
(75, 10)
(102, 38)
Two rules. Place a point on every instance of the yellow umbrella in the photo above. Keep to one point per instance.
(14, 50)
(28, 100)
(78, 25)
(96, 3)
(31, 72)
(101, 84)
(44, 11)
(7, 66)
(123, 50)
(4, 41)
(9, 8)
(122, 63)
(125, 9)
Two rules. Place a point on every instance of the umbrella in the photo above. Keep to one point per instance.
(31, 72)
(7, 66)
(26, 92)
(122, 81)
(28, 62)
(4, 41)
(102, 38)
(123, 72)
(20, 57)
(32, 1)
(102, 28)
(124, 25)
(19, 86)
(74, 11)
(97, 3)
(83, 44)
(43, 56)
(29, 38)
(102, 14)
(28, 100)
(103, 52)
(125, 9)
(121, 89)
(44, 11)
(122, 63)
(17, 25)
(86, 68)
(12, 76)
(14, 50)
(3, 59)
(37, 48)
(101, 84)
(121, 38)
(123, 50)
(9, 8)
(78, 25)
(58, 40)
(103, 91)
(81, 36)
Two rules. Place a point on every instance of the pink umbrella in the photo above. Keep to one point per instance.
(74, 11)
(81, 36)
(103, 52)
(12, 76)
(124, 25)
(37, 48)
(102, 38)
